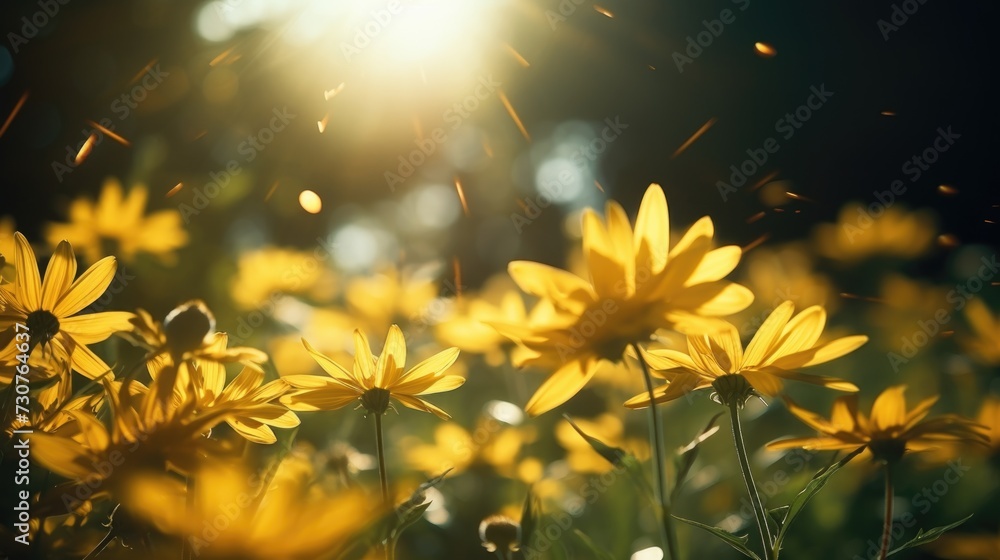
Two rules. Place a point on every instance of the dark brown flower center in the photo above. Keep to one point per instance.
(731, 389)
(43, 326)
(888, 450)
(375, 400)
(187, 326)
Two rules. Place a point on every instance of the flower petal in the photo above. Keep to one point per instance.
(331, 397)
(436, 364)
(27, 284)
(417, 403)
(88, 364)
(95, 327)
(446, 383)
(364, 361)
(889, 409)
(59, 275)
(562, 385)
(767, 334)
(651, 239)
(679, 386)
(87, 288)
(822, 353)
(715, 265)
(549, 282)
(390, 363)
(335, 370)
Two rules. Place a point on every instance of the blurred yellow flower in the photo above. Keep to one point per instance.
(859, 234)
(233, 513)
(251, 400)
(374, 379)
(489, 444)
(957, 546)
(263, 274)
(7, 230)
(49, 309)
(888, 433)
(985, 341)
(609, 429)
(782, 345)
(468, 326)
(120, 219)
(637, 284)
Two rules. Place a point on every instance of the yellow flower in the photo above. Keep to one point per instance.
(985, 344)
(637, 284)
(7, 230)
(454, 448)
(49, 308)
(858, 235)
(608, 428)
(204, 383)
(374, 379)
(888, 433)
(281, 518)
(264, 274)
(468, 326)
(781, 345)
(120, 219)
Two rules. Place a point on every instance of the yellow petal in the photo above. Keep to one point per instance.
(620, 235)
(364, 361)
(332, 368)
(252, 430)
(665, 360)
(549, 282)
(59, 275)
(817, 444)
(811, 419)
(94, 434)
(390, 364)
(701, 231)
(728, 348)
(715, 299)
(446, 383)
(652, 231)
(822, 353)
(704, 357)
(62, 456)
(889, 410)
(562, 385)
(95, 327)
(763, 382)
(247, 380)
(88, 364)
(767, 334)
(715, 265)
(800, 333)
(920, 412)
(27, 284)
(681, 385)
(828, 382)
(417, 403)
(436, 364)
(331, 397)
(845, 413)
(87, 288)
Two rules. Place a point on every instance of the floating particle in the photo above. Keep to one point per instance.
(513, 115)
(461, 196)
(947, 190)
(111, 134)
(764, 50)
(517, 56)
(948, 240)
(704, 128)
(176, 189)
(321, 124)
(310, 202)
(85, 149)
(604, 11)
(17, 109)
(756, 217)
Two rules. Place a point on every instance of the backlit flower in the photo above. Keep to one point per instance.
(637, 283)
(374, 380)
(781, 346)
(888, 433)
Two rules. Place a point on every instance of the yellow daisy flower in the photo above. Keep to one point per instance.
(120, 219)
(49, 308)
(888, 433)
(637, 284)
(985, 340)
(782, 345)
(468, 326)
(375, 379)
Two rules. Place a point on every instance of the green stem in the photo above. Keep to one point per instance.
(390, 544)
(887, 524)
(660, 464)
(758, 506)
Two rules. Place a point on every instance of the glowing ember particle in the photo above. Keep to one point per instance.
(200, 135)
(144, 70)
(948, 240)
(222, 56)
(85, 149)
(888, 113)
(756, 217)
(517, 56)
(17, 109)
(487, 148)
(756, 243)
(764, 50)
(270, 191)
(598, 185)
(328, 94)
(513, 115)
(704, 128)
(176, 189)
(795, 196)
(456, 267)
(947, 190)
(461, 196)
(111, 134)
(767, 179)
(321, 124)
(310, 202)
(603, 11)
(847, 295)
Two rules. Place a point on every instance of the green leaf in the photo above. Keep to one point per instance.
(619, 458)
(613, 455)
(410, 511)
(815, 485)
(778, 515)
(595, 551)
(687, 455)
(739, 542)
(923, 538)
(529, 518)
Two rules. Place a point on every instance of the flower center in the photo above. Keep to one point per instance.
(731, 389)
(43, 326)
(887, 450)
(375, 400)
(187, 326)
